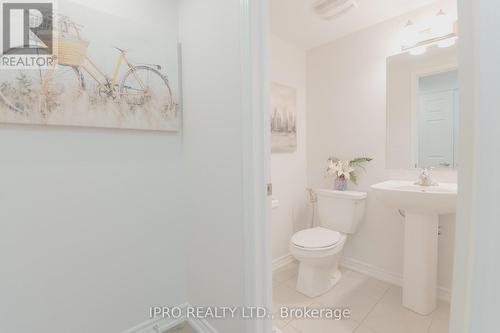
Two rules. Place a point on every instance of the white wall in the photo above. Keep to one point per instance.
(210, 36)
(92, 232)
(346, 103)
(288, 170)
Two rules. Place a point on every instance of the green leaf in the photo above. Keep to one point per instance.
(354, 177)
(358, 161)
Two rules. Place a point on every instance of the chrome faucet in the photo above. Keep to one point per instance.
(425, 178)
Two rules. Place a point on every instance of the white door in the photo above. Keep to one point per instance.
(436, 129)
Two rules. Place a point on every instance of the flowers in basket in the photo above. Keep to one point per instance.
(345, 171)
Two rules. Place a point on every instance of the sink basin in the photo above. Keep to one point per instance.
(407, 196)
(422, 206)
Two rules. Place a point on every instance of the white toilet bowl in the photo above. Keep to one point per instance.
(318, 249)
(318, 252)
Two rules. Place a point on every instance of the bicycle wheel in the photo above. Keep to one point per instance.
(29, 91)
(145, 86)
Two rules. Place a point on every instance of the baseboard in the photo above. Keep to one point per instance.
(161, 325)
(282, 261)
(444, 294)
(158, 325)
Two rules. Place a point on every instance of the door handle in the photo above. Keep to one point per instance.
(445, 164)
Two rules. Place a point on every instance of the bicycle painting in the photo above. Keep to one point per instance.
(77, 91)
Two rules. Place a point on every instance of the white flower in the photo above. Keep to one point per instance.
(330, 170)
(342, 168)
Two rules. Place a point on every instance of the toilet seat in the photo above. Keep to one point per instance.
(317, 239)
(318, 251)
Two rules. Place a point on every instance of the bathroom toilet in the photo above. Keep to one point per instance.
(318, 249)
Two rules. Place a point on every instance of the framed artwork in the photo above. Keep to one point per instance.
(283, 118)
(106, 71)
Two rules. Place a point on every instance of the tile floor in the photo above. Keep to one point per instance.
(375, 307)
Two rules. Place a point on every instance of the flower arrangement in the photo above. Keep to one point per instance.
(345, 171)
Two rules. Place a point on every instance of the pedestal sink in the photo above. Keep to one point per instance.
(421, 206)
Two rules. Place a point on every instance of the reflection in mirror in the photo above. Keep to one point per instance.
(422, 109)
(437, 118)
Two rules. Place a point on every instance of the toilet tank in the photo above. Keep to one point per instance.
(341, 211)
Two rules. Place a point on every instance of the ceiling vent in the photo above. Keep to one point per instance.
(331, 9)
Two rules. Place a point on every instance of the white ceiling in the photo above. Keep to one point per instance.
(296, 22)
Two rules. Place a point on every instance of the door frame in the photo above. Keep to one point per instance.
(256, 159)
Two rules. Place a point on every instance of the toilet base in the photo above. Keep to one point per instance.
(318, 269)
(314, 280)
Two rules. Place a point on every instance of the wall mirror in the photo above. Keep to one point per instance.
(422, 109)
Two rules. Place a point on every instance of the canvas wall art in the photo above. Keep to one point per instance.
(283, 118)
(110, 72)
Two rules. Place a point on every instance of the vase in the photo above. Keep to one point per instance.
(340, 184)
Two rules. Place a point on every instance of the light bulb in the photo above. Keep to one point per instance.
(447, 42)
(418, 50)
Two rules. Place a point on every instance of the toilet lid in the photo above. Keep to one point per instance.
(316, 238)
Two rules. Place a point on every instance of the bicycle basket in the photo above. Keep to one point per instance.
(72, 47)
(71, 52)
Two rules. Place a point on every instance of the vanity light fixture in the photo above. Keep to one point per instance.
(438, 30)
(409, 35)
(441, 24)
